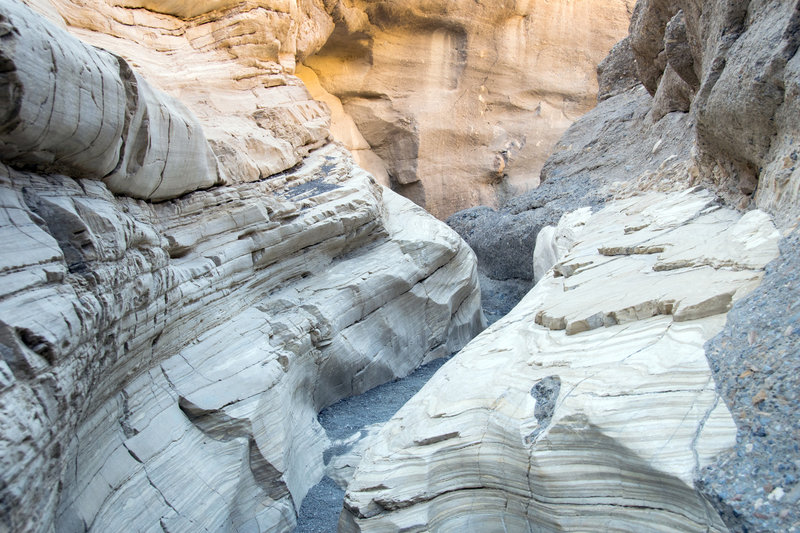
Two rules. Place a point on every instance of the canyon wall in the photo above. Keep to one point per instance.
(700, 94)
(192, 268)
(596, 407)
(462, 102)
(452, 104)
(184, 287)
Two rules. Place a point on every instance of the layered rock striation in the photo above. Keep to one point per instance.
(175, 312)
(596, 407)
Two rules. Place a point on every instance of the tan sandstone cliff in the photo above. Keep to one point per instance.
(462, 102)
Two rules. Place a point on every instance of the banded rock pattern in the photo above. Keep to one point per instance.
(602, 427)
(163, 362)
(72, 108)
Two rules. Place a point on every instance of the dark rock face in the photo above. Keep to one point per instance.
(731, 65)
(503, 240)
(756, 487)
(617, 72)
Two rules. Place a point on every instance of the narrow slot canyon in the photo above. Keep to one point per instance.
(378, 266)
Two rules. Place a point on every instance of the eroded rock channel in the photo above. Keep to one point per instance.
(207, 305)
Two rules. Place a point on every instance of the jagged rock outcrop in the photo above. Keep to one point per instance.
(733, 65)
(163, 362)
(592, 413)
(463, 101)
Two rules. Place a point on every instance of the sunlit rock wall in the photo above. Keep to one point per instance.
(463, 101)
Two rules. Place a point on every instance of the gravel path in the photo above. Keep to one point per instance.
(321, 507)
(756, 365)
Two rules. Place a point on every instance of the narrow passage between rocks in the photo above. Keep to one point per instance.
(347, 423)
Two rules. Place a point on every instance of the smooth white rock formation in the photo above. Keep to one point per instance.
(73, 109)
(231, 65)
(164, 363)
(552, 242)
(601, 428)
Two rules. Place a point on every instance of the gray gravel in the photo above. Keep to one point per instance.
(756, 364)
(321, 507)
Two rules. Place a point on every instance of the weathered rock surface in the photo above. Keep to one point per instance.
(463, 101)
(163, 363)
(605, 426)
(72, 109)
(231, 66)
(756, 486)
(162, 350)
(734, 66)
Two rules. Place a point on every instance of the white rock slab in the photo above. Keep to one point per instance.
(534, 428)
(164, 363)
(81, 111)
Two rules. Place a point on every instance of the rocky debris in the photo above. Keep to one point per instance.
(569, 432)
(463, 104)
(163, 363)
(754, 360)
(350, 424)
(617, 72)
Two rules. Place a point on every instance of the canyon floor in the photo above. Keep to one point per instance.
(348, 422)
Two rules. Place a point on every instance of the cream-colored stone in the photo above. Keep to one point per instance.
(229, 65)
(163, 363)
(530, 428)
(73, 109)
(477, 94)
(453, 108)
(552, 242)
(194, 341)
